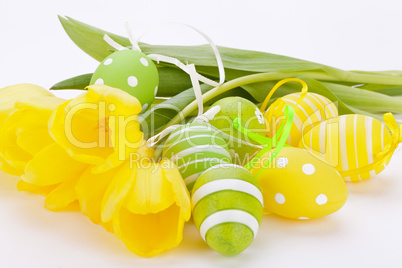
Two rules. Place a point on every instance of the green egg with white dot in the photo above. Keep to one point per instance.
(227, 208)
(131, 71)
(195, 147)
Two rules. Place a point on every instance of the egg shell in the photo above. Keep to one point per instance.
(131, 71)
(227, 208)
(349, 143)
(313, 109)
(194, 148)
(299, 185)
(251, 118)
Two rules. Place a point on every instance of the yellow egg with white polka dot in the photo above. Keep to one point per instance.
(299, 185)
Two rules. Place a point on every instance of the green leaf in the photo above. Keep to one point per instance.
(394, 91)
(90, 40)
(366, 100)
(77, 82)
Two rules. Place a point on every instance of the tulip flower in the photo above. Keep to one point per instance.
(144, 203)
(99, 127)
(28, 147)
(9, 96)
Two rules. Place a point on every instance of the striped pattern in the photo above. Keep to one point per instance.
(194, 148)
(312, 110)
(350, 143)
(226, 184)
(227, 197)
(229, 216)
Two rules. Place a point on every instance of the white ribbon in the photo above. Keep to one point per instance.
(206, 37)
(133, 41)
(208, 115)
(113, 43)
(158, 137)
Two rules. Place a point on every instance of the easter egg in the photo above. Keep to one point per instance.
(195, 147)
(353, 144)
(313, 109)
(227, 208)
(251, 118)
(299, 185)
(131, 71)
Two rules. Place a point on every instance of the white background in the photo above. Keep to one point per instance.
(364, 35)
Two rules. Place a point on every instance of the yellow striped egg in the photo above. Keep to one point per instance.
(313, 109)
(358, 146)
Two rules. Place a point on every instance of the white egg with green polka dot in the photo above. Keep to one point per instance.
(131, 71)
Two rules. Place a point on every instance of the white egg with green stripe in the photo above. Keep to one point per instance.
(227, 208)
(194, 148)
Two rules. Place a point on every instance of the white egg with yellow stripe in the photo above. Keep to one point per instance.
(313, 109)
(358, 146)
(227, 208)
(195, 147)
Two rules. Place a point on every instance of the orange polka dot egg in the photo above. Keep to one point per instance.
(299, 185)
(130, 71)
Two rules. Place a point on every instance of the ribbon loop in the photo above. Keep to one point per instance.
(268, 143)
(279, 84)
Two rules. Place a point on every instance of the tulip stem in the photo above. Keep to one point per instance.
(244, 80)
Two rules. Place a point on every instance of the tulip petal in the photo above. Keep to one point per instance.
(124, 102)
(151, 192)
(5, 167)
(65, 135)
(150, 234)
(33, 134)
(35, 189)
(90, 191)
(179, 188)
(62, 196)
(14, 155)
(52, 165)
(12, 94)
(117, 191)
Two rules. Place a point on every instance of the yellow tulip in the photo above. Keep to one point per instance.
(148, 205)
(99, 127)
(28, 147)
(144, 203)
(9, 96)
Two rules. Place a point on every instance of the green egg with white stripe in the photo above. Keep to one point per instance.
(194, 148)
(227, 208)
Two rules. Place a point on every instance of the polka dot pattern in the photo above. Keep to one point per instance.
(108, 62)
(282, 162)
(144, 62)
(280, 198)
(322, 199)
(132, 81)
(299, 185)
(308, 169)
(99, 81)
(144, 107)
